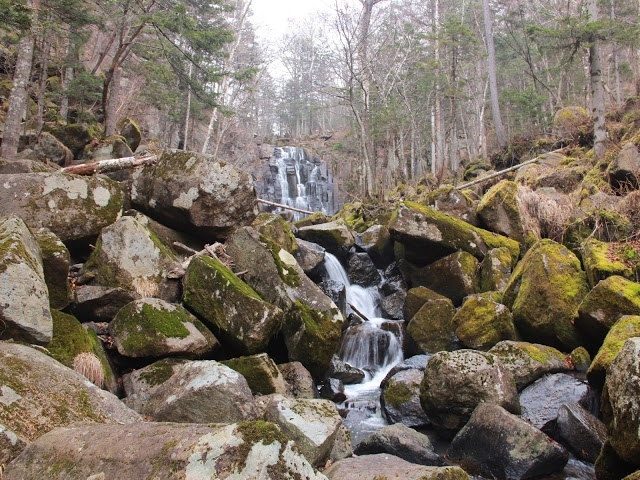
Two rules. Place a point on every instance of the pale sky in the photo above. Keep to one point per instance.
(273, 17)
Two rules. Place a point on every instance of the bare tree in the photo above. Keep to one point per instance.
(501, 137)
(597, 90)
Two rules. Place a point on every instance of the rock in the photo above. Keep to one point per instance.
(392, 306)
(89, 203)
(498, 211)
(261, 372)
(429, 235)
(139, 385)
(495, 270)
(544, 293)
(10, 445)
(55, 265)
(497, 444)
(627, 327)
(130, 131)
(201, 391)
(242, 320)
(196, 193)
(345, 372)
(623, 170)
(581, 431)
(393, 281)
(127, 255)
(621, 402)
(341, 446)
(400, 399)
(248, 450)
(153, 328)
(100, 304)
(333, 389)
(453, 202)
(376, 242)
(379, 466)
(455, 383)
(454, 276)
(277, 230)
(309, 256)
(609, 300)
(528, 362)
(337, 292)
(609, 466)
(50, 149)
(400, 441)
(361, 270)
(431, 328)
(76, 136)
(580, 359)
(416, 298)
(541, 400)
(599, 266)
(481, 323)
(333, 236)
(299, 380)
(417, 362)
(312, 424)
(25, 166)
(24, 298)
(40, 394)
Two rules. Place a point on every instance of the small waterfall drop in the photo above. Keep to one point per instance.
(373, 346)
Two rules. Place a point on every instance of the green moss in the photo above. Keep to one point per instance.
(258, 370)
(276, 229)
(69, 338)
(288, 274)
(232, 281)
(397, 393)
(255, 432)
(159, 372)
(540, 353)
(354, 216)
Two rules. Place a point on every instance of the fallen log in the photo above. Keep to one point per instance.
(274, 204)
(496, 174)
(110, 165)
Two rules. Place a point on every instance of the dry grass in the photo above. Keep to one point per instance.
(89, 365)
(145, 288)
(542, 215)
(629, 206)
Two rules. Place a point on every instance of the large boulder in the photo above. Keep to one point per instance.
(55, 265)
(335, 237)
(455, 383)
(24, 297)
(309, 256)
(248, 450)
(581, 431)
(233, 309)
(94, 303)
(139, 385)
(49, 148)
(299, 380)
(197, 193)
(277, 230)
(495, 270)
(129, 256)
(623, 170)
(497, 444)
(400, 399)
(261, 372)
(88, 203)
(428, 235)
(499, 212)
(481, 323)
(40, 394)
(600, 264)
(151, 327)
(361, 270)
(544, 294)
(431, 327)
(376, 242)
(453, 202)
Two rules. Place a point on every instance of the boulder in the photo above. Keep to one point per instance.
(400, 399)
(40, 394)
(528, 362)
(10, 445)
(609, 466)
(201, 391)
(299, 380)
(24, 297)
(453, 202)
(621, 402)
(392, 306)
(129, 256)
(400, 441)
(455, 383)
(152, 328)
(131, 133)
(376, 242)
(76, 136)
(393, 281)
(581, 431)
(429, 235)
(332, 389)
(498, 211)
(609, 300)
(625, 328)
(50, 149)
(55, 265)
(261, 372)
(333, 236)
(89, 203)
(454, 276)
(337, 292)
(361, 270)
(309, 256)
(482, 323)
(541, 401)
(238, 315)
(497, 444)
(623, 170)
(100, 304)
(197, 193)
(345, 372)
(139, 385)
(495, 270)
(598, 265)
(431, 328)
(249, 450)
(382, 465)
(544, 294)
(312, 424)
(277, 230)
(18, 165)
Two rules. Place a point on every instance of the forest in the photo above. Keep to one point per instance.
(405, 89)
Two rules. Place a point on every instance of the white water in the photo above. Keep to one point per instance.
(368, 347)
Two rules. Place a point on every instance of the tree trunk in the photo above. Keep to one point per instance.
(188, 114)
(501, 137)
(597, 90)
(42, 87)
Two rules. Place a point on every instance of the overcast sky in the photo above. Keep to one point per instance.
(272, 17)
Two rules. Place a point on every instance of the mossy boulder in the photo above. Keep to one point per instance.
(495, 270)
(400, 399)
(416, 298)
(55, 265)
(24, 297)
(354, 216)
(623, 170)
(277, 230)
(528, 362)
(336, 237)
(598, 264)
(141, 384)
(50, 149)
(89, 203)
(499, 212)
(151, 327)
(428, 235)
(628, 326)
(431, 328)
(236, 313)
(544, 293)
(76, 136)
(196, 193)
(481, 323)
(130, 131)
(453, 202)
(261, 372)
(130, 256)
(609, 300)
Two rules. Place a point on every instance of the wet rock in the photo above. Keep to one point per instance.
(581, 431)
(345, 372)
(400, 399)
(100, 304)
(392, 280)
(337, 292)
(261, 372)
(333, 236)
(332, 389)
(361, 270)
(392, 306)
(481, 323)
(376, 242)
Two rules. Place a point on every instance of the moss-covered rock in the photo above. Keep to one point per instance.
(131, 133)
(544, 293)
(499, 212)
(76, 136)
(400, 399)
(598, 265)
(431, 328)
(495, 270)
(626, 327)
(261, 373)
(236, 313)
(453, 202)
(609, 466)
(276, 230)
(354, 217)
(335, 237)
(55, 264)
(481, 323)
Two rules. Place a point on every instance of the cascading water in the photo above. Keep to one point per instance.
(373, 346)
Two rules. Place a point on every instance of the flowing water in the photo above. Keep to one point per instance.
(373, 346)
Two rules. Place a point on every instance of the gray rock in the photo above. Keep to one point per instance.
(261, 372)
(361, 270)
(345, 372)
(376, 242)
(455, 203)
(24, 297)
(623, 170)
(100, 304)
(309, 256)
(496, 444)
(581, 431)
(392, 306)
(333, 389)
(333, 236)
(10, 445)
(139, 385)
(400, 399)
(131, 133)
(55, 265)
(49, 148)
(299, 380)
(337, 292)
